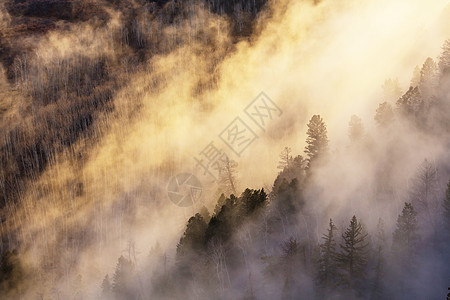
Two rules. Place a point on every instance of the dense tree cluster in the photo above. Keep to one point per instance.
(349, 264)
(354, 263)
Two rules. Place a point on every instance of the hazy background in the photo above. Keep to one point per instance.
(160, 105)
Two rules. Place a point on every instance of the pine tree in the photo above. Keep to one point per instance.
(251, 200)
(227, 176)
(379, 267)
(291, 263)
(391, 90)
(193, 239)
(295, 170)
(286, 202)
(290, 249)
(191, 248)
(221, 224)
(428, 78)
(355, 128)
(411, 103)
(423, 192)
(405, 236)
(415, 80)
(220, 202)
(384, 114)
(205, 214)
(285, 159)
(444, 59)
(122, 279)
(233, 213)
(106, 288)
(424, 184)
(327, 262)
(317, 140)
(353, 258)
(404, 249)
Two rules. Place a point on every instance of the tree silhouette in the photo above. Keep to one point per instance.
(405, 236)
(444, 59)
(193, 239)
(353, 258)
(205, 214)
(411, 103)
(290, 260)
(227, 176)
(317, 140)
(122, 279)
(285, 158)
(384, 114)
(428, 78)
(327, 273)
(423, 192)
(391, 90)
(106, 288)
(287, 202)
(220, 202)
(415, 80)
(379, 267)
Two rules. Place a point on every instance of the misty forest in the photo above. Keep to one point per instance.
(214, 149)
